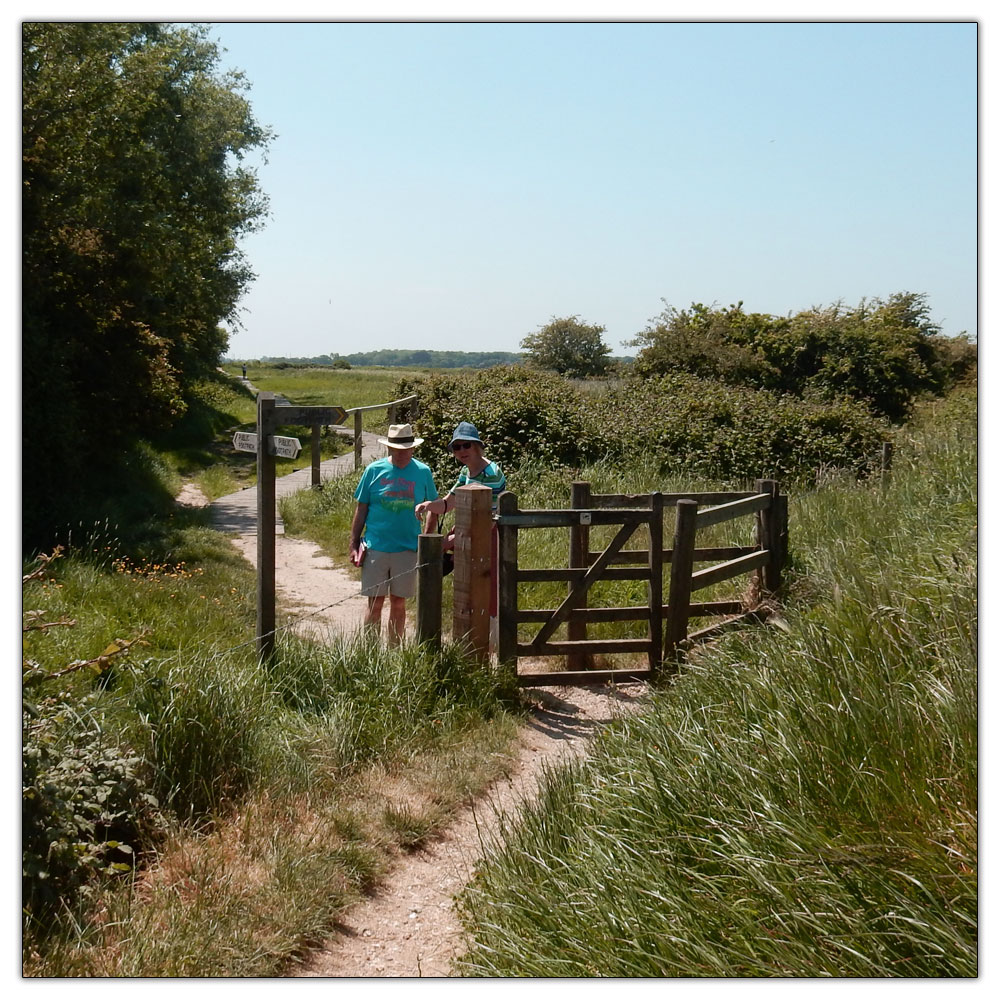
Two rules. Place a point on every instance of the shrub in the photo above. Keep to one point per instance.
(883, 353)
(86, 802)
(521, 414)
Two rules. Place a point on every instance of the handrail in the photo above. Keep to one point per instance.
(381, 406)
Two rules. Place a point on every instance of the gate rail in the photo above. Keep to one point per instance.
(668, 623)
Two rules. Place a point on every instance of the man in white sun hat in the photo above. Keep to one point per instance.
(385, 528)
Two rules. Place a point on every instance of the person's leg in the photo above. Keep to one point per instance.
(375, 573)
(402, 587)
(373, 619)
(397, 619)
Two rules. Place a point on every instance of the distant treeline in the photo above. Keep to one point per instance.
(410, 359)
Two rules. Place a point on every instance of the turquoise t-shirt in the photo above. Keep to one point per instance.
(391, 495)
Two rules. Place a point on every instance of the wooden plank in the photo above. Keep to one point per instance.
(614, 500)
(680, 573)
(266, 516)
(655, 584)
(429, 587)
(568, 518)
(583, 677)
(473, 529)
(382, 406)
(579, 550)
(310, 415)
(635, 557)
(557, 574)
(581, 585)
(591, 615)
(507, 601)
(561, 647)
(630, 614)
(724, 571)
(728, 511)
(315, 455)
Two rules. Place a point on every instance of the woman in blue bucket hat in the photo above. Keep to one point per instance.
(468, 449)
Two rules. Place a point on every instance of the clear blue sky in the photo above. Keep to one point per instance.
(453, 186)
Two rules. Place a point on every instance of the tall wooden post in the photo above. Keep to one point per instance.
(315, 455)
(655, 581)
(358, 419)
(429, 577)
(507, 569)
(473, 529)
(769, 537)
(579, 553)
(265, 524)
(681, 566)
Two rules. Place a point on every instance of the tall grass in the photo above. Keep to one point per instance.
(314, 743)
(801, 801)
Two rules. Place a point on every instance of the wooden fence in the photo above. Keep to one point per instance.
(667, 632)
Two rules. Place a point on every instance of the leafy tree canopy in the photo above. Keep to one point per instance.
(134, 198)
(569, 347)
(884, 353)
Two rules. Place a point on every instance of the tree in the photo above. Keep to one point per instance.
(884, 353)
(134, 198)
(569, 347)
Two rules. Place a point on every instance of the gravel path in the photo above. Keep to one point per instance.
(408, 927)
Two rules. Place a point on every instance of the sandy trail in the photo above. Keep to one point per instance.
(408, 927)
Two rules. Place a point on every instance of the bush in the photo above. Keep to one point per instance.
(706, 428)
(883, 353)
(696, 426)
(522, 416)
(86, 803)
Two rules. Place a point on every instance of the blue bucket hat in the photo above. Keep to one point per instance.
(465, 432)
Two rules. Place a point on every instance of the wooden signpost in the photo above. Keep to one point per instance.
(270, 416)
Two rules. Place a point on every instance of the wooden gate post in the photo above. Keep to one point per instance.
(769, 537)
(358, 419)
(265, 525)
(681, 566)
(507, 569)
(473, 530)
(429, 577)
(655, 590)
(315, 455)
(579, 552)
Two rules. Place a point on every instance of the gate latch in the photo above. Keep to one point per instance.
(586, 517)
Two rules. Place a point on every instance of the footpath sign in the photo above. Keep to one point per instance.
(245, 441)
(282, 447)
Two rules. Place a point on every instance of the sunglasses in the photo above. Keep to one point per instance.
(461, 445)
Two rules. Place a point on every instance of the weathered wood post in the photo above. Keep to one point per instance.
(358, 419)
(429, 578)
(681, 566)
(266, 426)
(314, 438)
(655, 581)
(579, 554)
(769, 537)
(507, 568)
(473, 528)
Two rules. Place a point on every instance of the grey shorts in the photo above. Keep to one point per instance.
(389, 573)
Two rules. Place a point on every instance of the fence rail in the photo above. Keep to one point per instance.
(668, 622)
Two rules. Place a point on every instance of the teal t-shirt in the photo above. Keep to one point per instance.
(391, 495)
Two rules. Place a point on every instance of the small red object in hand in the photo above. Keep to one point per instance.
(358, 554)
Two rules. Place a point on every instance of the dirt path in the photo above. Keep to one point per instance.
(409, 928)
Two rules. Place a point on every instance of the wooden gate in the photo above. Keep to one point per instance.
(667, 631)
